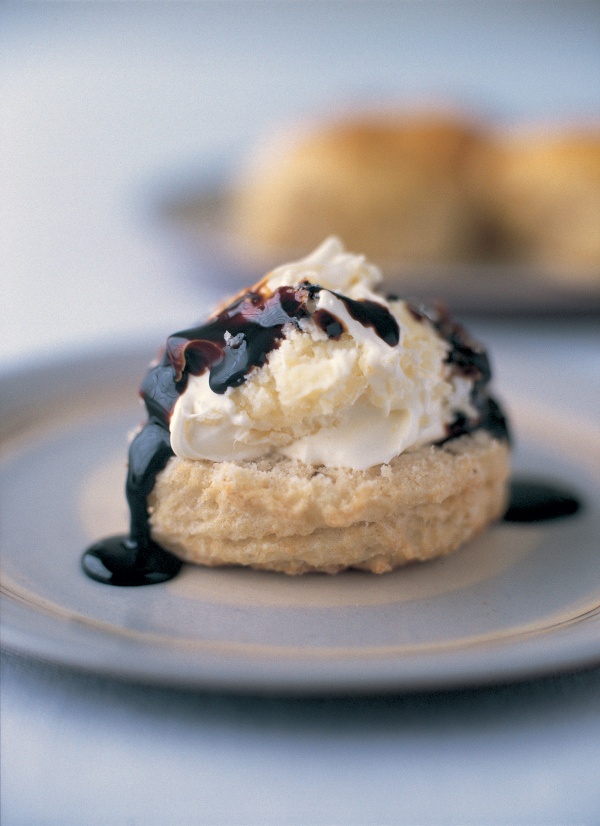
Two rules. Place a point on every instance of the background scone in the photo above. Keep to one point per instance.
(544, 194)
(317, 426)
(403, 189)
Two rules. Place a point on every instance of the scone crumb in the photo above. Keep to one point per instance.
(386, 471)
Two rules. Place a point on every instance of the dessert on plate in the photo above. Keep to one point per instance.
(312, 424)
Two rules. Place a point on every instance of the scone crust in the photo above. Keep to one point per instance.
(282, 515)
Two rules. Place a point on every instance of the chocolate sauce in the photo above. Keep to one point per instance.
(118, 561)
(491, 418)
(329, 323)
(467, 358)
(136, 559)
(532, 500)
(375, 315)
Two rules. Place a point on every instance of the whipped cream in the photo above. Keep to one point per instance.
(337, 390)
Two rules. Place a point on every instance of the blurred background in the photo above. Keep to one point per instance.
(116, 117)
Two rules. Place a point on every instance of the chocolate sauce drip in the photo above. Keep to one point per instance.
(118, 561)
(375, 315)
(533, 500)
(136, 559)
(491, 418)
(330, 324)
(468, 358)
(466, 354)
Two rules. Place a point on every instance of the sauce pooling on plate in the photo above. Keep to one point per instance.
(533, 500)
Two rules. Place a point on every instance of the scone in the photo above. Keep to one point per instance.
(544, 193)
(402, 189)
(284, 515)
(311, 424)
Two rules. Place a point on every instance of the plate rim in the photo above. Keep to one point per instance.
(439, 671)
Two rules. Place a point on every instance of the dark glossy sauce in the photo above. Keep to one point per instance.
(534, 500)
(329, 323)
(119, 561)
(467, 358)
(374, 315)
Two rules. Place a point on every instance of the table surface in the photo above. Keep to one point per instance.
(106, 107)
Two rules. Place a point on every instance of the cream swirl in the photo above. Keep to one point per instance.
(350, 400)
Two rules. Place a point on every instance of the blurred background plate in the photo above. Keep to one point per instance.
(106, 104)
(197, 217)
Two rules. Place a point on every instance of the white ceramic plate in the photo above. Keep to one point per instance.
(208, 246)
(520, 601)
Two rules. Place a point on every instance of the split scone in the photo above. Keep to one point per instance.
(313, 425)
(284, 515)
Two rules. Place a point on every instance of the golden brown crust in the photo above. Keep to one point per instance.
(286, 516)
